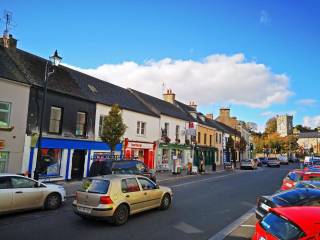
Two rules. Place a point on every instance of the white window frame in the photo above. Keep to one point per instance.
(140, 128)
(9, 112)
(6, 161)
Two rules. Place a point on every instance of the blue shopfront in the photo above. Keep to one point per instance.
(67, 158)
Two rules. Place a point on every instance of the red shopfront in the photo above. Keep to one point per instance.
(143, 151)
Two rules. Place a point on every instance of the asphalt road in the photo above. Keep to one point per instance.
(202, 206)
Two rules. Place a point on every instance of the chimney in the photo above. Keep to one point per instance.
(225, 113)
(8, 41)
(209, 116)
(193, 105)
(169, 96)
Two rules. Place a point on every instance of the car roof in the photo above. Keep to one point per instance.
(10, 175)
(305, 217)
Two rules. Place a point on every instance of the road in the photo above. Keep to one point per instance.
(202, 206)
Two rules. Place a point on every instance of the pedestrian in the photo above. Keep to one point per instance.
(234, 163)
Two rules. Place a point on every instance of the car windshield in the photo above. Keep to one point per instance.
(95, 186)
(298, 195)
(280, 227)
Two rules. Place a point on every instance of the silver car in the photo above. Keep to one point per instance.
(19, 193)
(248, 164)
(273, 162)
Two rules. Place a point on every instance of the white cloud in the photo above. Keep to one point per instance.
(216, 79)
(307, 102)
(273, 114)
(311, 122)
(264, 17)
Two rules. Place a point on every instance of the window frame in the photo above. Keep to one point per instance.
(6, 161)
(60, 121)
(84, 125)
(140, 128)
(210, 140)
(125, 179)
(205, 138)
(177, 132)
(101, 124)
(9, 113)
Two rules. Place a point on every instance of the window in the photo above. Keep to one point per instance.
(220, 138)
(5, 183)
(177, 132)
(210, 140)
(130, 185)
(166, 130)
(199, 137)
(216, 137)
(146, 184)
(55, 120)
(101, 124)
(141, 128)
(50, 161)
(205, 138)
(4, 158)
(5, 109)
(21, 182)
(81, 124)
(95, 186)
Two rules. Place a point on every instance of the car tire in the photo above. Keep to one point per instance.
(121, 215)
(165, 202)
(53, 201)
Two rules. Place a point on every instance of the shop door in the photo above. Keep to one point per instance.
(78, 159)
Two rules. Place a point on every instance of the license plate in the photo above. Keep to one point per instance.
(265, 207)
(85, 210)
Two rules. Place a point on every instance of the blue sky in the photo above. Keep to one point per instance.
(137, 38)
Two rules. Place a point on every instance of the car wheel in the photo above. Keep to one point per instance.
(165, 202)
(121, 215)
(53, 201)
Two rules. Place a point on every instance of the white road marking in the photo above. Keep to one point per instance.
(187, 228)
(183, 177)
(231, 227)
(249, 226)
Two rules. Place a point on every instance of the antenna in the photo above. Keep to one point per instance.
(7, 16)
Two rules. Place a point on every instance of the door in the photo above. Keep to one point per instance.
(26, 193)
(152, 195)
(78, 160)
(6, 194)
(133, 194)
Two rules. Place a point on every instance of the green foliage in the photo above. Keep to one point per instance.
(271, 125)
(113, 127)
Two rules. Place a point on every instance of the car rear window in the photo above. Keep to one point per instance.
(280, 228)
(99, 186)
(124, 167)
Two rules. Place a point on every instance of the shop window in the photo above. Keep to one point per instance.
(141, 128)
(50, 162)
(205, 138)
(177, 133)
(163, 163)
(5, 109)
(81, 128)
(4, 158)
(101, 124)
(55, 120)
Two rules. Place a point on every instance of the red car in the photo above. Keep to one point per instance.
(298, 175)
(289, 223)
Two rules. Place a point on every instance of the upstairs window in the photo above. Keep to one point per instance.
(5, 109)
(216, 137)
(177, 133)
(81, 128)
(210, 140)
(220, 138)
(55, 120)
(199, 137)
(205, 138)
(141, 128)
(165, 132)
(101, 124)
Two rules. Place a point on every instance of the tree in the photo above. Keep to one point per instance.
(271, 125)
(113, 127)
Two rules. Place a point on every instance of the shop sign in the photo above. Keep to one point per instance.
(104, 156)
(2, 144)
(140, 145)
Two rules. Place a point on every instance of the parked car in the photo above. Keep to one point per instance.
(293, 159)
(258, 162)
(248, 164)
(289, 224)
(291, 179)
(283, 160)
(273, 162)
(308, 184)
(263, 160)
(99, 168)
(19, 193)
(294, 197)
(115, 197)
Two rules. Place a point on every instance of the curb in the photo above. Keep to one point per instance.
(170, 179)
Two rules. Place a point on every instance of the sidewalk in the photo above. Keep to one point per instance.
(72, 186)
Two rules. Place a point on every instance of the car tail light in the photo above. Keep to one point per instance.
(105, 200)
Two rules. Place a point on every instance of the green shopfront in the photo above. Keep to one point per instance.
(168, 154)
(205, 153)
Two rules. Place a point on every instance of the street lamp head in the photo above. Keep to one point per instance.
(55, 59)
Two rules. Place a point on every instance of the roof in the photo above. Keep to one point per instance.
(25, 67)
(162, 106)
(309, 135)
(305, 217)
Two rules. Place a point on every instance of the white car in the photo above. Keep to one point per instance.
(248, 164)
(19, 193)
(283, 159)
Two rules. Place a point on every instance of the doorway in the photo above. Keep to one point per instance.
(78, 160)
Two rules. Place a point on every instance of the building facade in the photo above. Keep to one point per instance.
(284, 125)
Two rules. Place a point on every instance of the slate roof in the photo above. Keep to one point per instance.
(309, 135)
(21, 66)
(161, 106)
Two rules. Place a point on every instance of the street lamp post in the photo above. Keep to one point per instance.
(54, 62)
